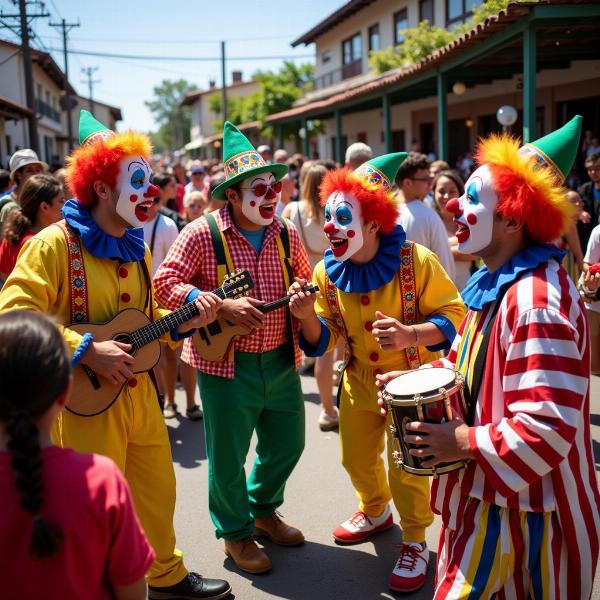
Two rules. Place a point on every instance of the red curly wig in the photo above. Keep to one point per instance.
(526, 192)
(376, 203)
(99, 161)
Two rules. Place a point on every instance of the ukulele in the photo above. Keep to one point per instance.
(215, 340)
(93, 393)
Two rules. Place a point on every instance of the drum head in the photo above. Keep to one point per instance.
(420, 381)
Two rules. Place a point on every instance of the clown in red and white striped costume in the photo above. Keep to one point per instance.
(532, 453)
(522, 519)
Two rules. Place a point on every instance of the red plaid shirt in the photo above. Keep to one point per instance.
(191, 263)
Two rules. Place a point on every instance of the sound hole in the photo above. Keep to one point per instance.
(124, 338)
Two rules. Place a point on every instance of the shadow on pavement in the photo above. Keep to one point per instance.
(187, 442)
(317, 571)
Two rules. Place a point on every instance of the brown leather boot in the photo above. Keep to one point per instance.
(277, 531)
(247, 555)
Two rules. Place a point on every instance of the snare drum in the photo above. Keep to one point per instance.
(424, 395)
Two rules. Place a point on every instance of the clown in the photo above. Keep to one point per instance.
(394, 304)
(522, 519)
(88, 268)
(257, 388)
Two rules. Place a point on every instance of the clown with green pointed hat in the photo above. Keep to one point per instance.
(523, 352)
(395, 307)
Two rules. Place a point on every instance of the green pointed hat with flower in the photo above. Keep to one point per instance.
(90, 129)
(381, 170)
(557, 151)
(241, 160)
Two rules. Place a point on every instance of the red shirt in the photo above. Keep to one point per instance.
(9, 253)
(103, 542)
(191, 263)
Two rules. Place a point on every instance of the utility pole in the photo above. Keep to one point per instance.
(26, 50)
(66, 27)
(89, 73)
(224, 88)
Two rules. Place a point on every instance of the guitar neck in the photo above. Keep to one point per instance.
(152, 331)
(269, 306)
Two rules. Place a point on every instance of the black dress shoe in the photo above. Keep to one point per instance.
(190, 587)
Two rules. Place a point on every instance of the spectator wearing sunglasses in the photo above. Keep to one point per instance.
(421, 223)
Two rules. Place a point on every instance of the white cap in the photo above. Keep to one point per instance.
(24, 157)
(263, 148)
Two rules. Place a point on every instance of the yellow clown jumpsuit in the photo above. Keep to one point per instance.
(132, 431)
(362, 427)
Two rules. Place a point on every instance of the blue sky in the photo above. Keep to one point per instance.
(189, 28)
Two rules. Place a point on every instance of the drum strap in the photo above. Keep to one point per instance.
(408, 287)
(479, 365)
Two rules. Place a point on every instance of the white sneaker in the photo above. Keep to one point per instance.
(361, 526)
(411, 567)
(327, 422)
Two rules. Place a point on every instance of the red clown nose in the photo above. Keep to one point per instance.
(453, 207)
(152, 192)
(330, 228)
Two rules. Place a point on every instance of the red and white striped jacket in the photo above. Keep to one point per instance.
(531, 436)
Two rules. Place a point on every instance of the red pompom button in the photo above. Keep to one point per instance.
(123, 272)
(365, 300)
(369, 325)
(132, 382)
(125, 297)
(373, 357)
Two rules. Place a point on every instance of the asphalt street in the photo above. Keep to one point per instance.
(318, 497)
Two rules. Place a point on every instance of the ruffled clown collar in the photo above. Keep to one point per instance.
(352, 277)
(100, 244)
(485, 287)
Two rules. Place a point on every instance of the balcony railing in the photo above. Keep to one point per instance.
(45, 109)
(346, 71)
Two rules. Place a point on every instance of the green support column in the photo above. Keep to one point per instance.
(387, 124)
(442, 116)
(306, 140)
(338, 137)
(529, 77)
(280, 135)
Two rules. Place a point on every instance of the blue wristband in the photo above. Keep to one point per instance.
(85, 342)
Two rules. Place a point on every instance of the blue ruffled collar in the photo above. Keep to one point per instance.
(100, 244)
(485, 287)
(352, 277)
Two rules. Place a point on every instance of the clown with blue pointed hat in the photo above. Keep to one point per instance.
(395, 307)
(88, 268)
(522, 518)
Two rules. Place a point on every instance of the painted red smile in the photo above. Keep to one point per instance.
(462, 232)
(267, 211)
(338, 246)
(141, 211)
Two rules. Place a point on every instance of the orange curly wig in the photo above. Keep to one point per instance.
(376, 203)
(99, 161)
(526, 191)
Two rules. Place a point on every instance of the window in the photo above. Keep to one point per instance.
(39, 91)
(400, 23)
(374, 41)
(426, 11)
(326, 56)
(458, 11)
(351, 49)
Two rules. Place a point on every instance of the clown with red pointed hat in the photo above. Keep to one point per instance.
(523, 518)
(88, 268)
(395, 306)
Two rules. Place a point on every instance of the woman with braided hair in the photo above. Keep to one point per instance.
(67, 526)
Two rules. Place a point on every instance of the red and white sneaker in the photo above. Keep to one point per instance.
(361, 526)
(411, 567)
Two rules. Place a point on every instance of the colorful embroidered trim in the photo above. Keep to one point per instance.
(334, 307)
(97, 135)
(542, 159)
(242, 162)
(88, 338)
(77, 277)
(409, 305)
(373, 176)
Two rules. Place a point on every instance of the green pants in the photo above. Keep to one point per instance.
(265, 396)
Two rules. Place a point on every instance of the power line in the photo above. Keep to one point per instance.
(176, 41)
(181, 58)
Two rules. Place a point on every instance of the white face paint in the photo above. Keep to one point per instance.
(474, 212)
(343, 225)
(136, 192)
(260, 195)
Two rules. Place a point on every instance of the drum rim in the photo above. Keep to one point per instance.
(427, 397)
(435, 471)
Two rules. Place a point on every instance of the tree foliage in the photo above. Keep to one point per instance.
(277, 92)
(421, 41)
(172, 118)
